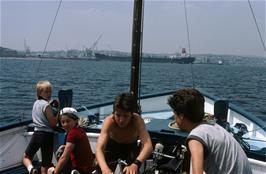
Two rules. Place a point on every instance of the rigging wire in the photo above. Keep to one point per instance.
(188, 39)
(38, 68)
(185, 9)
(256, 23)
(50, 32)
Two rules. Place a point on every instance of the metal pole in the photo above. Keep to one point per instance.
(136, 47)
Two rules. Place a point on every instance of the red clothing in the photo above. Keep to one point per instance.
(81, 157)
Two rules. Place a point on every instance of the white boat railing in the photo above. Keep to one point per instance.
(13, 143)
(258, 167)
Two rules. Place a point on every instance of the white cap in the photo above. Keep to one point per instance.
(68, 110)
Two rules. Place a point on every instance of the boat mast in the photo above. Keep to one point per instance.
(136, 47)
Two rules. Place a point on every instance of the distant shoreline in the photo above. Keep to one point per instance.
(48, 58)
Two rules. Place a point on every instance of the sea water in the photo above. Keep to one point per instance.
(94, 82)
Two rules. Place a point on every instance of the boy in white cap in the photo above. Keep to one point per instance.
(77, 147)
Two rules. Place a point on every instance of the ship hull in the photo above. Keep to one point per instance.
(163, 59)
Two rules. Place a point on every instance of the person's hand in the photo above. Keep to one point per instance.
(54, 104)
(61, 148)
(107, 171)
(59, 152)
(50, 170)
(132, 169)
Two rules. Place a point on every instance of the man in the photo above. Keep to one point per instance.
(212, 148)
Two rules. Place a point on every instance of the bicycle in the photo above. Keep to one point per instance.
(164, 163)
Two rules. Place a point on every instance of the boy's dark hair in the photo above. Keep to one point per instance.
(125, 102)
(188, 101)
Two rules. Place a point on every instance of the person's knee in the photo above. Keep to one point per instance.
(47, 165)
(44, 169)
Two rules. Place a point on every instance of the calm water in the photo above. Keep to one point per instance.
(99, 81)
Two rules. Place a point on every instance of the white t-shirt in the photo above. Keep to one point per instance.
(222, 153)
(39, 119)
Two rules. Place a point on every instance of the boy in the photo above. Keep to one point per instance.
(212, 148)
(44, 122)
(119, 135)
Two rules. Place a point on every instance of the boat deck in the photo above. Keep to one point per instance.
(20, 169)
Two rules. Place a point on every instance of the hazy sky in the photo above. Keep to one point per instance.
(217, 27)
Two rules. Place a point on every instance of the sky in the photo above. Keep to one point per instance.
(215, 26)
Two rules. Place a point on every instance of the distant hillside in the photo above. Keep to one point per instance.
(6, 52)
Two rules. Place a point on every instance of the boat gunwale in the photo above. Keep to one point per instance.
(231, 106)
(14, 125)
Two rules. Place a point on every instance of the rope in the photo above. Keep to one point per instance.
(189, 49)
(37, 71)
(185, 8)
(192, 75)
(262, 42)
(50, 32)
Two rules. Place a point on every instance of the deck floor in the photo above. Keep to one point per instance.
(20, 169)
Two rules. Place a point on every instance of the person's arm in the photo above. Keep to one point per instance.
(197, 156)
(50, 116)
(146, 149)
(100, 147)
(144, 139)
(64, 158)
